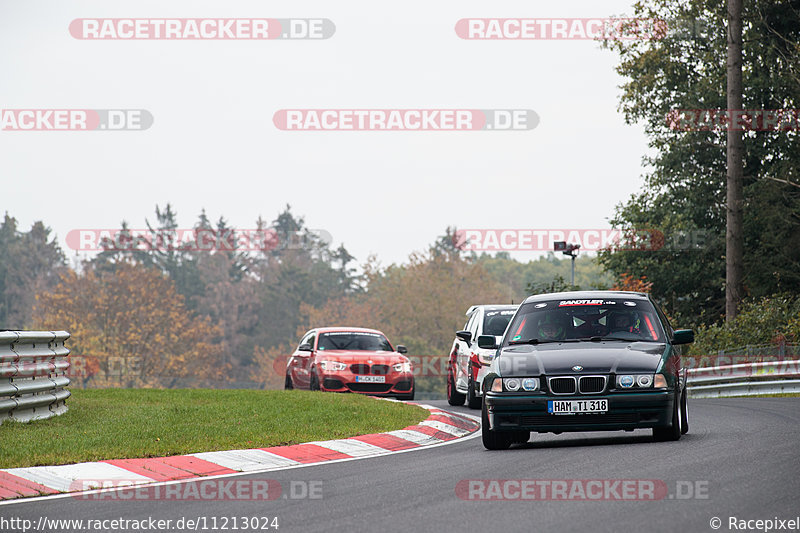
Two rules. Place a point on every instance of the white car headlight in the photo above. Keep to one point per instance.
(530, 384)
(486, 357)
(626, 381)
(640, 381)
(402, 367)
(333, 366)
(515, 384)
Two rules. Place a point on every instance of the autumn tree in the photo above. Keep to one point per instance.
(685, 187)
(135, 315)
(629, 282)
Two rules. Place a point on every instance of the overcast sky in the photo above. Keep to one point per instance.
(213, 143)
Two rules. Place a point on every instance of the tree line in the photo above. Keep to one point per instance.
(217, 315)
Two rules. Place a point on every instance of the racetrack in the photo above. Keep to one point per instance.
(742, 452)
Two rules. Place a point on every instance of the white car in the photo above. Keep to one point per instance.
(468, 363)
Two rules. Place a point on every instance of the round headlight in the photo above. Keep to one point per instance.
(530, 384)
(626, 382)
(512, 384)
(644, 380)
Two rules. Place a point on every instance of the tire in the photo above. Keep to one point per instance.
(493, 440)
(453, 396)
(673, 431)
(314, 385)
(407, 397)
(473, 400)
(288, 385)
(684, 413)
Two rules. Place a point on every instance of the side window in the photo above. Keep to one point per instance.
(309, 338)
(664, 320)
(476, 322)
(470, 326)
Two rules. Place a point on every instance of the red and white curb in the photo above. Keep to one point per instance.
(441, 427)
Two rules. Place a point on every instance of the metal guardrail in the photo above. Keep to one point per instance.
(33, 367)
(747, 379)
(780, 350)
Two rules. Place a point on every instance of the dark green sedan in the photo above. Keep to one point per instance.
(585, 361)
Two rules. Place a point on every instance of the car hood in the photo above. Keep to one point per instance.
(594, 357)
(361, 356)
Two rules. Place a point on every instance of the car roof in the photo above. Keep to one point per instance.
(586, 295)
(347, 328)
(491, 307)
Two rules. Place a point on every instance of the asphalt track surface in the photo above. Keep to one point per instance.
(741, 456)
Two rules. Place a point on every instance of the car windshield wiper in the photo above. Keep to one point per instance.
(537, 341)
(612, 338)
(598, 338)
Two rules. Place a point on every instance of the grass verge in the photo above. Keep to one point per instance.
(130, 423)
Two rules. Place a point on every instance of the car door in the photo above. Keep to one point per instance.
(301, 362)
(465, 351)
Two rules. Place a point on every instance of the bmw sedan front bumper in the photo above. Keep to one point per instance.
(626, 411)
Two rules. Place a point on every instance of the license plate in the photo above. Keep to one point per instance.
(572, 407)
(370, 379)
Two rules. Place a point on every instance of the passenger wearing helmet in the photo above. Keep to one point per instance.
(550, 328)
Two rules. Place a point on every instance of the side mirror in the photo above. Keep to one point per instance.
(487, 342)
(683, 336)
(465, 336)
(305, 347)
(401, 349)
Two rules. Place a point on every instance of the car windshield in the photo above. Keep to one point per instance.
(495, 321)
(576, 319)
(348, 340)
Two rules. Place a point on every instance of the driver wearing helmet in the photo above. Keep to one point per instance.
(551, 328)
(621, 322)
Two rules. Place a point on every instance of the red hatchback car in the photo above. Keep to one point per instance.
(345, 359)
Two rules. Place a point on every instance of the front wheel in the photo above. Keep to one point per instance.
(288, 385)
(473, 400)
(493, 440)
(673, 431)
(453, 396)
(684, 414)
(314, 385)
(407, 397)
